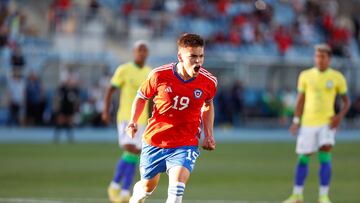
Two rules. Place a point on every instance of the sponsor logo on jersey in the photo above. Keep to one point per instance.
(197, 93)
(329, 84)
(168, 89)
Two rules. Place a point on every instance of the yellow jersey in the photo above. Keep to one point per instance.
(128, 77)
(320, 89)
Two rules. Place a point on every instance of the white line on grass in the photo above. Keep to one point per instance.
(77, 200)
(28, 200)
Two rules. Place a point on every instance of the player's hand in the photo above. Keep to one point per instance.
(294, 128)
(132, 129)
(105, 117)
(335, 122)
(209, 143)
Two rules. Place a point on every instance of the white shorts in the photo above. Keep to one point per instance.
(310, 139)
(125, 139)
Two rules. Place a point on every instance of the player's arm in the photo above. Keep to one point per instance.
(136, 111)
(208, 124)
(146, 91)
(336, 120)
(300, 101)
(107, 104)
(342, 91)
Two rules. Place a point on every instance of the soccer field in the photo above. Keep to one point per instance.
(243, 172)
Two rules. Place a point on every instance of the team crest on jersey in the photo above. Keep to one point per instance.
(329, 84)
(197, 93)
(168, 89)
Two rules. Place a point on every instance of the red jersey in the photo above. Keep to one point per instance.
(175, 120)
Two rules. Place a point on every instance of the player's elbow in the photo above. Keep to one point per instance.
(140, 99)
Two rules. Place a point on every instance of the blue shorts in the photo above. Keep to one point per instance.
(156, 160)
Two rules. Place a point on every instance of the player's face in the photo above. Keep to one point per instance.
(322, 60)
(192, 58)
(140, 54)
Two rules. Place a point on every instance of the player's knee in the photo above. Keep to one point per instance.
(149, 189)
(132, 149)
(130, 157)
(325, 148)
(324, 157)
(149, 186)
(304, 159)
(140, 192)
(176, 189)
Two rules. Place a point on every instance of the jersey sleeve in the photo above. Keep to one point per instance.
(118, 78)
(212, 92)
(301, 86)
(342, 86)
(148, 88)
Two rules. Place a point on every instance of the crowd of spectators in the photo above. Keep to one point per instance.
(264, 24)
(237, 105)
(29, 103)
(224, 23)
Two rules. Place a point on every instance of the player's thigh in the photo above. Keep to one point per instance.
(152, 161)
(326, 137)
(307, 141)
(125, 139)
(181, 162)
(150, 184)
(178, 174)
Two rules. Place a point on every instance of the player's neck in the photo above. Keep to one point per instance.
(322, 70)
(182, 72)
(139, 64)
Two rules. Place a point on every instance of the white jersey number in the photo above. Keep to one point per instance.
(192, 155)
(182, 104)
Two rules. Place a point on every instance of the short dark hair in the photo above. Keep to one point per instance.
(190, 40)
(323, 48)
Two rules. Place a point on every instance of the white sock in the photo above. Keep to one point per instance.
(124, 193)
(139, 193)
(175, 192)
(324, 190)
(114, 185)
(298, 189)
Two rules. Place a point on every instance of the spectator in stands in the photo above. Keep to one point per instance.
(354, 111)
(339, 40)
(67, 101)
(248, 33)
(3, 44)
(3, 37)
(288, 99)
(237, 100)
(17, 59)
(356, 25)
(34, 100)
(97, 99)
(190, 8)
(306, 29)
(15, 22)
(93, 9)
(16, 97)
(224, 115)
(61, 7)
(283, 39)
(58, 12)
(97, 95)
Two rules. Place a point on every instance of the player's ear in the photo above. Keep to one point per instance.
(179, 57)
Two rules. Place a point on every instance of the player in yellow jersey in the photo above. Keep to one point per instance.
(317, 91)
(127, 77)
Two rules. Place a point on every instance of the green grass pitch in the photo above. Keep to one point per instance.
(249, 172)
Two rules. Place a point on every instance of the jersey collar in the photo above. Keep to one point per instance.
(179, 77)
(137, 66)
(318, 71)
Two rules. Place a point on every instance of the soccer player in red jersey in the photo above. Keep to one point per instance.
(183, 94)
